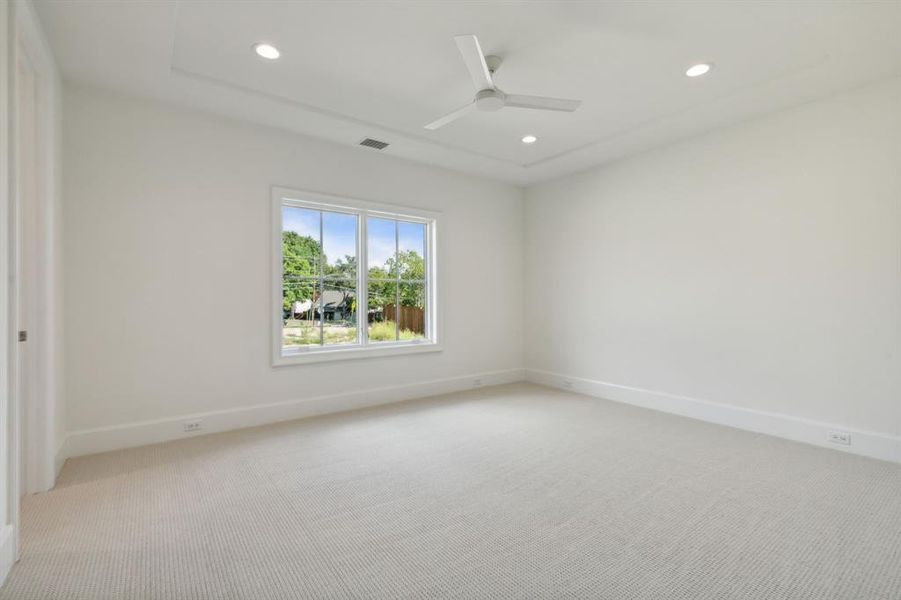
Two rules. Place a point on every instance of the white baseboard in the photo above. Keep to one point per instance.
(866, 443)
(7, 550)
(102, 439)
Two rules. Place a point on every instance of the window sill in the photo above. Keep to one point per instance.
(303, 357)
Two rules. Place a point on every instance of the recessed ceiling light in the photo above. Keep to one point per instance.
(529, 139)
(266, 51)
(698, 70)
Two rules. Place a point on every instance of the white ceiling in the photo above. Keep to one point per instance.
(351, 70)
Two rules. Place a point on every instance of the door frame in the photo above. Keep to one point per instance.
(22, 35)
(33, 416)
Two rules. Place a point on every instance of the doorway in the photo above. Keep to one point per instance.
(35, 254)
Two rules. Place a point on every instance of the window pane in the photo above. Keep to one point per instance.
(339, 244)
(339, 311)
(302, 221)
(411, 250)
(381, 246)
(382, 311)
(300, 235)
(300, 316)
(411, 313)
(300, 243)
(300, 265)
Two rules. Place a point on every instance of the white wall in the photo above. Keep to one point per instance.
(167, 231)
(758, 266)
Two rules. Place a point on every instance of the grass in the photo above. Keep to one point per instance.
(305, 333)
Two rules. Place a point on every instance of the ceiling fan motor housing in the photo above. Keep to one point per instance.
(493, 63)
(489, 100)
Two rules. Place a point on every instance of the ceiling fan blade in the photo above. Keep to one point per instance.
(451, 116)
(475, 61)
(541, 103)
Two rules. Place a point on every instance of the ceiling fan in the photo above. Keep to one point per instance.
(488, 96)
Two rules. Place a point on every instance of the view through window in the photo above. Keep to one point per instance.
(327, 295)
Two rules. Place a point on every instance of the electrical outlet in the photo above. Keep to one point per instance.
(839, 437)
(192, 426)
(476, 383)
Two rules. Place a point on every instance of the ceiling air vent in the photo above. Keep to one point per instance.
(371, 143)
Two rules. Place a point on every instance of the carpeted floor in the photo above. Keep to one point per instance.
(509, 492)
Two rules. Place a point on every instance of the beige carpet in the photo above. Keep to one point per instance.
(509, 492)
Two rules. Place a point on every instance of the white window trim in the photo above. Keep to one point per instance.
(309, 199)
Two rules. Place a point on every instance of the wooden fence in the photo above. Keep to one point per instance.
(408, 317)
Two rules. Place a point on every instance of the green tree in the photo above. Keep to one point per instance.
(344, 267)
(383, 286)
(409, 263)
(411, 266)
(301, 256)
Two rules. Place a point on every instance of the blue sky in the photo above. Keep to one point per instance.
(339, 233)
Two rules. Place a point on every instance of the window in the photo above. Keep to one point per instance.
(352, 279)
